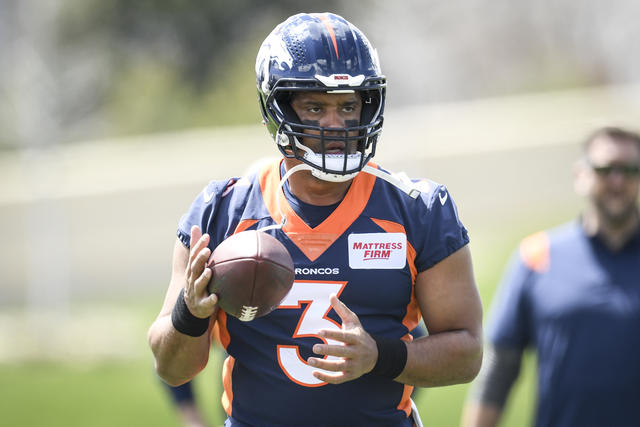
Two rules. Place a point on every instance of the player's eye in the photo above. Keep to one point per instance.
(629, 170)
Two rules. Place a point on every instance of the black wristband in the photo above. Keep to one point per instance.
(185, 322)
(392, 357)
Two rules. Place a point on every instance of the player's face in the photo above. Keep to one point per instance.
(614, 178)
(328, 110)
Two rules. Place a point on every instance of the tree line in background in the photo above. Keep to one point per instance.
(84, 69)
(79, 69)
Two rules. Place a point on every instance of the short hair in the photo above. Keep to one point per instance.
(613, 133)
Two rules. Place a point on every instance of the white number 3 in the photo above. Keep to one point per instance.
(316, 295)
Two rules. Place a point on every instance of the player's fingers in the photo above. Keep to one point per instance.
(211, 301)
(200, 284)
(333, 350)
(333, 365)
(198, 265)
(347, 337)
(197, 244)
(331, 377)
(200, 245)
(348, 317)
(200, 261)
(196, 233)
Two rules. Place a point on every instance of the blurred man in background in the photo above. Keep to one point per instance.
(573, 293)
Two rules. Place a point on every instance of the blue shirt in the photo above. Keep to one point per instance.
(578, 304)
(368, 251)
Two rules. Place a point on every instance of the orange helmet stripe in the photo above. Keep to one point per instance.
(327, 23)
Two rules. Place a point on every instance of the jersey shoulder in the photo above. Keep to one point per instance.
(228, 195)
(429, 191)
(431, 219)
(535, 250)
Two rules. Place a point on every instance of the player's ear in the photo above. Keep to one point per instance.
(582, 177)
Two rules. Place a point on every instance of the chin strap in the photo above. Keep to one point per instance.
(401, 181)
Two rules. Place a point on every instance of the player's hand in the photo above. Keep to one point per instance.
(356, 357)
(196, 296)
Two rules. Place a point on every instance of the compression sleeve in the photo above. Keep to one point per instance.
(182, 393)
(500, 368)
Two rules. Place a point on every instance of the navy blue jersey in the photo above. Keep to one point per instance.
(578, 304)
(368, 251)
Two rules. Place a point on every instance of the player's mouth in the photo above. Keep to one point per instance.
(334, 148)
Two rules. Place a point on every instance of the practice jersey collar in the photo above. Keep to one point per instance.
(313, 242)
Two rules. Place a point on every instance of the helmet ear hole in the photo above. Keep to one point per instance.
(283, 101)
(370, 106)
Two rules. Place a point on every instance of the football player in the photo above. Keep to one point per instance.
(374, 253)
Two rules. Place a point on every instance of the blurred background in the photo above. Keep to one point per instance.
(114, 115)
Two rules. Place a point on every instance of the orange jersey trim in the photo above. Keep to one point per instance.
(313, 242)
(221, 327)
(227, 394)
(405, 401)
(534, 251)
(244, 225)
(394, 227)
(412, 318)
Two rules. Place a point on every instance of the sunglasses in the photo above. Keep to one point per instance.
(625, 170)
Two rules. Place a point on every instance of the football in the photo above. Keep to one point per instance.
(252, 273)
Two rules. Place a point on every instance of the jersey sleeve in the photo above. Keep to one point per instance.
(202, 210)
(507, 323)
(445, 233)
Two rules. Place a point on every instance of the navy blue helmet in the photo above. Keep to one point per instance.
(320, 52)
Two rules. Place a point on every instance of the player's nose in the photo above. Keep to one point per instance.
(332, 119)
(616, 179)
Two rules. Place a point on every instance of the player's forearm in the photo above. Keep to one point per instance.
(446, 358)
(178, 357)
(490, 390)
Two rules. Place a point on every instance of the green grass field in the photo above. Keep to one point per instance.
(127, 394)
